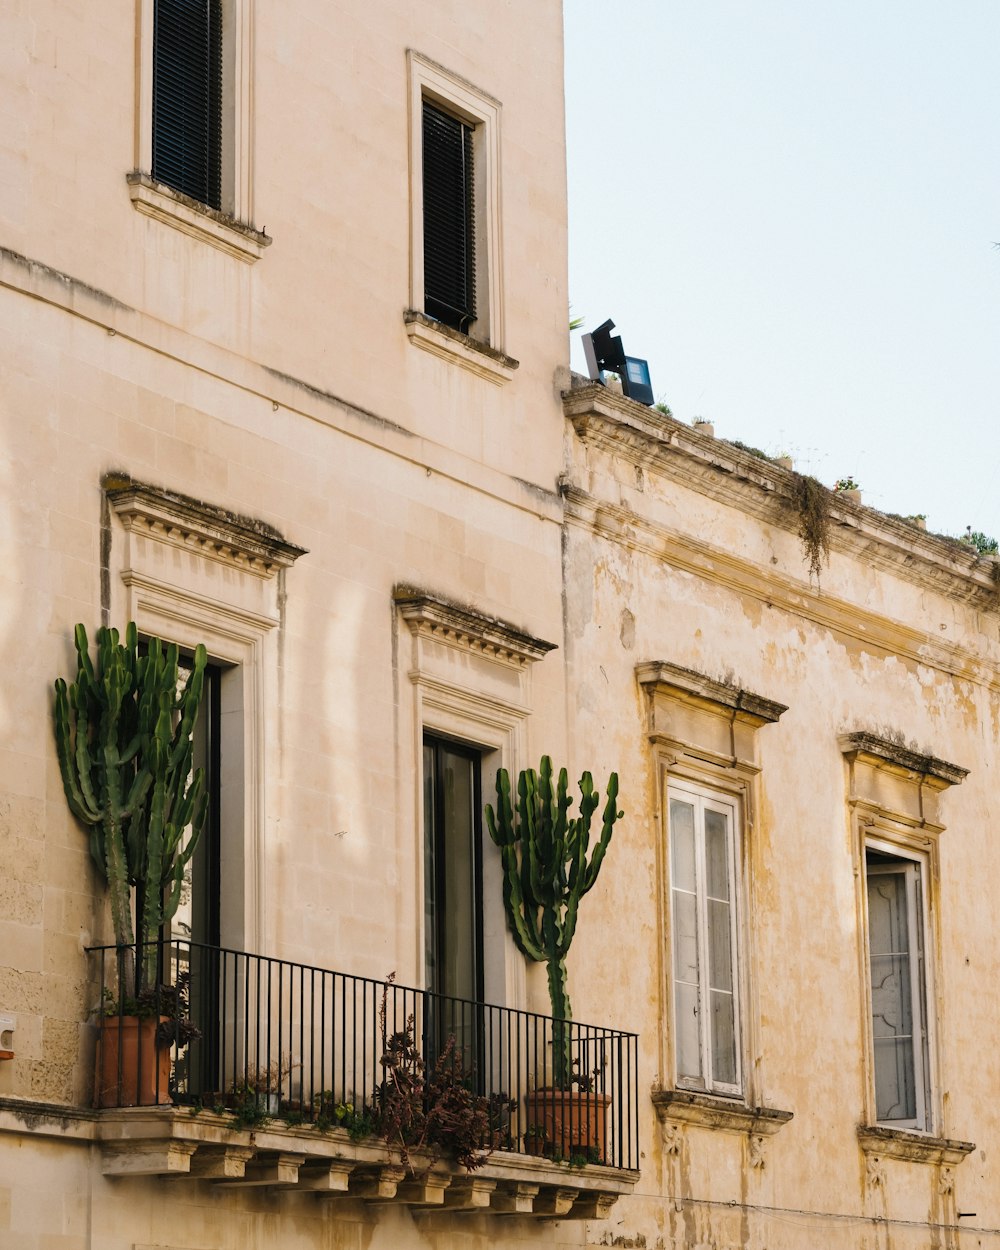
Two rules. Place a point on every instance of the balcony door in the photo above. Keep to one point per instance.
(453, 869)
(198, 915)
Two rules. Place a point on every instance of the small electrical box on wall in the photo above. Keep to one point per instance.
(6, 1036)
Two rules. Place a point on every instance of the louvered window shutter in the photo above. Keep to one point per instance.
(187, 97)
(449, 219)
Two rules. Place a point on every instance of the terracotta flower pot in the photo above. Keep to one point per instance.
(132, 1070)
(566, 1122)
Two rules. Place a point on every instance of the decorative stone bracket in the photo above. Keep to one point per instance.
(206, 1147)
(879, 1142)
(676, 1108)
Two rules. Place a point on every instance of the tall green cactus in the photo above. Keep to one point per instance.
(124, 740)
(546, 873)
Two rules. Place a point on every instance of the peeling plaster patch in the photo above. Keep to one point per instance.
(586, 700)
(627, 630)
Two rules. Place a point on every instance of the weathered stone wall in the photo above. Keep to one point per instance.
(683, 550)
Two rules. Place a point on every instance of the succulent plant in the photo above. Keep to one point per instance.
(547, 872)
(124, 739)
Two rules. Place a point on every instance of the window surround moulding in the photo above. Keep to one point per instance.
(243, 543)
(230, 230)
(706, 720)
(235, 618)
(731, 1115)
(429, 80)
(239, 641)
(895, 1143)
(452, 345)
(704, 732)
(470, 677)
(888, 782)
(885, 754)
(892, 795)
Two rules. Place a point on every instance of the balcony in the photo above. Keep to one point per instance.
(245, 1070)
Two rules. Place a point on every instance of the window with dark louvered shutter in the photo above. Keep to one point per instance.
(449, 219)
(187, 97)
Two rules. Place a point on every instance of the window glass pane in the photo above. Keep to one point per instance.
(723, 1038)
(461, 954)
(431, 910)
(197, 915)
(892, 1004)
(895, 1090)
(682, 864)
(720, 946)
(717, 854)
(688, 1031)
(704, 954)
(687, 990)
(685, 937)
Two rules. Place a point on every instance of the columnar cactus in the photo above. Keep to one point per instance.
(124, 740)
(546, 873)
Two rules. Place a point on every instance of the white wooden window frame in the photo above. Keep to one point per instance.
(429, 81)
(917, 869)
(230, 230)
(704, 798)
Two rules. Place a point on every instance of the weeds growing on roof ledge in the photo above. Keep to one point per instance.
(811, 500)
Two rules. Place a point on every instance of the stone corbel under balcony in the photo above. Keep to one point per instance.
(174, 1143)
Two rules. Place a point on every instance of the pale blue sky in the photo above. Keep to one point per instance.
(789, 208)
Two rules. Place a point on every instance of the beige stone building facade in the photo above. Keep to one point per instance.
(284, 371)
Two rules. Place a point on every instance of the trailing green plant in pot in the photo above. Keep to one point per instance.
(124, 737)
(546, 872)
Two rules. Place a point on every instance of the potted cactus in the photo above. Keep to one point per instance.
(546, 873)
(124, 739)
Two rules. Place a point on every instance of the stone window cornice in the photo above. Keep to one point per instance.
(469, 629)
(249, 545)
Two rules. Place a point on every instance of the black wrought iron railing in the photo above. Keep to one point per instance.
(264, 1037)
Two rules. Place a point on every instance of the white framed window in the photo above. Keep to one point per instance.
(899, 985)
(193, 134)
(703, 835)
(895, 797)
(706, 737)
(456, 289)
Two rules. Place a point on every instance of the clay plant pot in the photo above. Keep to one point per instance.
(132, 1069)
(566, 1122)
